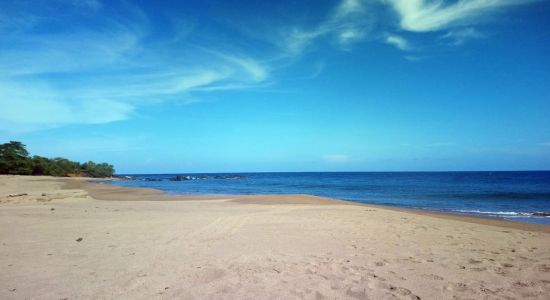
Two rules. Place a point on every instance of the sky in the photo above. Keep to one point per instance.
(265, 86)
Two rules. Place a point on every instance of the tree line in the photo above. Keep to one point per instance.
(15, 160)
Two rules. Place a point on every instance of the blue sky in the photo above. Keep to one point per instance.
(232, 86)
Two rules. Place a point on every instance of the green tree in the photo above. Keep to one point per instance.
(98, 170)
(66, 166)
(43, 166)
(14, 159)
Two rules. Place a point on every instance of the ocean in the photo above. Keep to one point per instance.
(510, 195)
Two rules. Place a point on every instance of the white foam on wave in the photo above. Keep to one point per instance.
(498, 213)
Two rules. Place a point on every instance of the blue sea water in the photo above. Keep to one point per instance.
(509, 195)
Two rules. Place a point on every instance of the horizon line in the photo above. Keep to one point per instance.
(266, 172)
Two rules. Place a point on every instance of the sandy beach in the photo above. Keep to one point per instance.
(64, 238)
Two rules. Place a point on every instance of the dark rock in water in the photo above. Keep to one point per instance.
(229, 177)
(153, 179)
(180, 178)
(187, 177)
(542, 214)
(124, 177)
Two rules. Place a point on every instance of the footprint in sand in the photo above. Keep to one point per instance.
(459, 287)
(357, 293)
(394, 291)
(209, 275)
(474, 261)
(400, 291)
(380, 263)
(433, 277)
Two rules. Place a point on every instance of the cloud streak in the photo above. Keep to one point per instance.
(424, 16)
(85, 76)
(42, 107)
(399, 42)
(461, 36)
(346, 25)
(116, 62)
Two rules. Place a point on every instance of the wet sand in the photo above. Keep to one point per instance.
(67, 238)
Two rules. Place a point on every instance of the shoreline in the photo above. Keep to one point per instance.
(59, 240)
(110, 192)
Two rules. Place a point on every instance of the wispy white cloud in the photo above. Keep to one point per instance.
(254, 69)
(349, 36)
(345, 25)
(87, 76)
(428, 15)
(351, 22)
(460, 36)
(109, 71)
(349, 7)
(297, 39)
(187, 83)
(398, 41)
(40, 107)
(69, 52)
(83, 76)
(33, 101)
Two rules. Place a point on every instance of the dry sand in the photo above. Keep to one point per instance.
(68, 239)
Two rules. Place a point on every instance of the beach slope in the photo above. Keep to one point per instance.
(68, 239)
